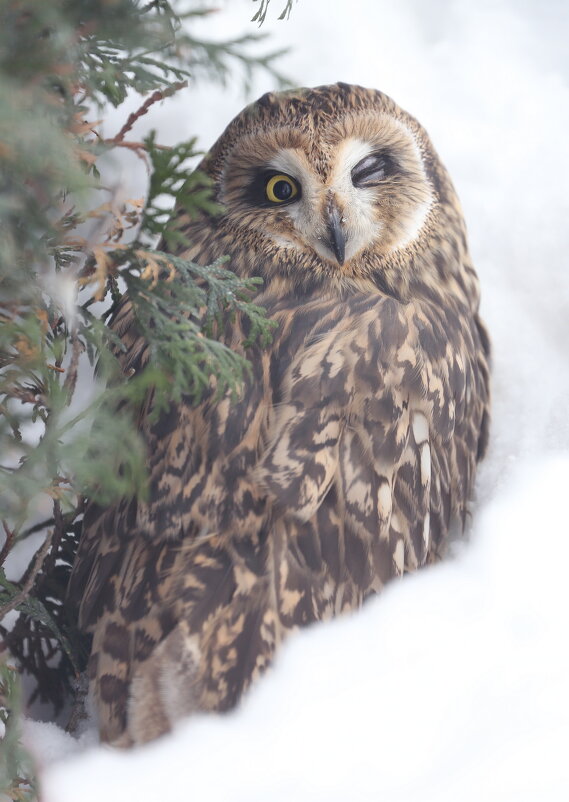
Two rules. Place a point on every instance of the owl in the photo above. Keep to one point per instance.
(354, 442)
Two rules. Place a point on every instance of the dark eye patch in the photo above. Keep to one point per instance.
(372, 169)
(256, 192)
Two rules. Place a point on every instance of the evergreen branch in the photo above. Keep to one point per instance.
(16, 769)
(261, 13)
(57, 61)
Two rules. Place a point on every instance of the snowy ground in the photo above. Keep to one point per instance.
(455, 683)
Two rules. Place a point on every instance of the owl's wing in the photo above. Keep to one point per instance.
(373, 449)
(352, 445)
(134, 556)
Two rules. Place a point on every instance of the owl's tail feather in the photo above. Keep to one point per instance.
(197, 648)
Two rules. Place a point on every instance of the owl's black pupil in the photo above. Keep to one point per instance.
(282, 190)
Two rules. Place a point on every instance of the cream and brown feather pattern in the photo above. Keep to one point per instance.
(354, 442)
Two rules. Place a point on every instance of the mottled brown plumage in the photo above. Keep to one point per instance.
(354, 443)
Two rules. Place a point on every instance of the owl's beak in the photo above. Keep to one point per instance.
(336, 236)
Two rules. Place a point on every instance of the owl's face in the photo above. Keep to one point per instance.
(326, 192)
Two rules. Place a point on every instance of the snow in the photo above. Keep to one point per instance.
(453, 684)
(50, 743)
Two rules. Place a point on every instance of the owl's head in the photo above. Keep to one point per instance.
(328, 185)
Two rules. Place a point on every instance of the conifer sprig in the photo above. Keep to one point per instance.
(68, 250)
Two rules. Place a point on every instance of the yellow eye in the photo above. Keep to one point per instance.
(281, 188)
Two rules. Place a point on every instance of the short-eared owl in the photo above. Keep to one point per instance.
(354, 443)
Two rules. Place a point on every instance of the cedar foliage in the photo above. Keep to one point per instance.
(68, 250)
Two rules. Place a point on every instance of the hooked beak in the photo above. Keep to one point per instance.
(336, 238)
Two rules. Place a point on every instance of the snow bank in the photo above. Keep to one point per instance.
(453, 684)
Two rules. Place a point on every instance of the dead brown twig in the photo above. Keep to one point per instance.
(10, 535)
(159, 94)
(37, 564)
(71, 378)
